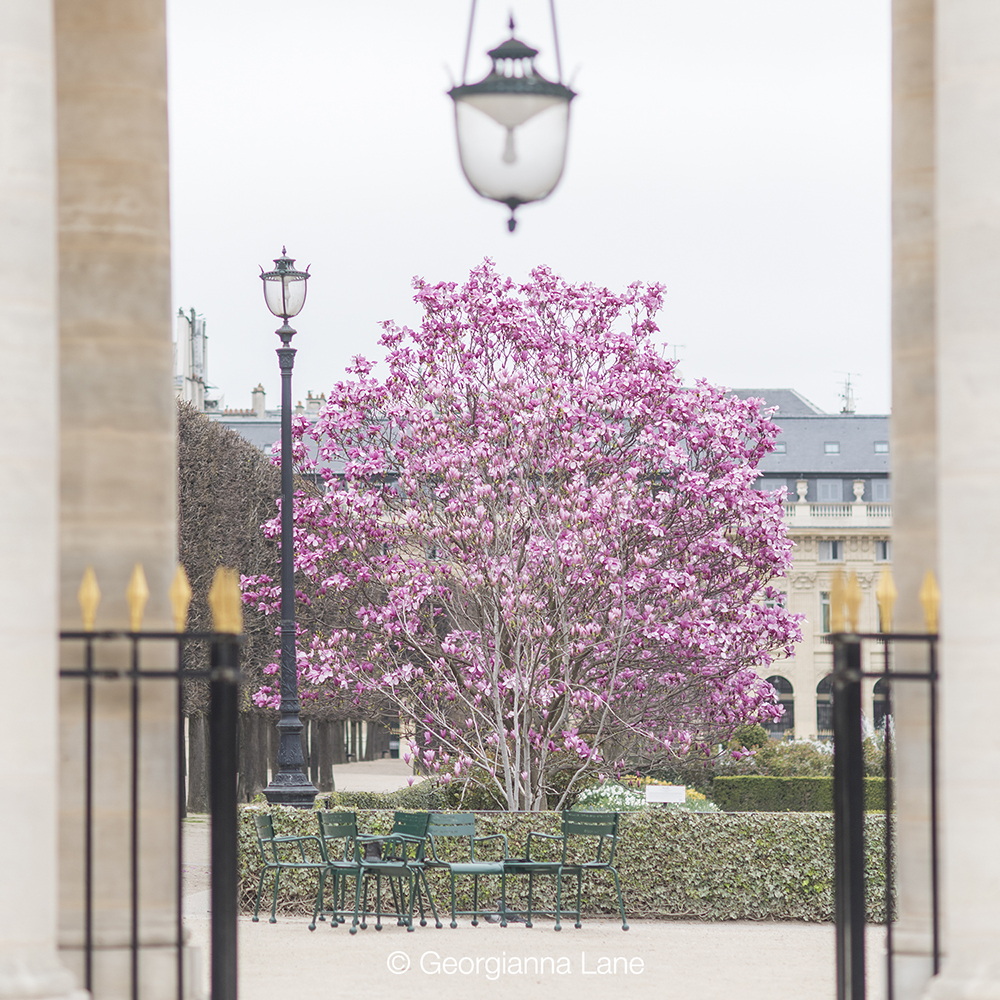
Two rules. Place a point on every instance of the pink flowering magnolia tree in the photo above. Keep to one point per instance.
(536, 544)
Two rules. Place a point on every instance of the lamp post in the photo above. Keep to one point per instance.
(513, 125)
(285, 294)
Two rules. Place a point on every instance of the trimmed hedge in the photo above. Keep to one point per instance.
(673, 865)
(425, 795)
(763, 793)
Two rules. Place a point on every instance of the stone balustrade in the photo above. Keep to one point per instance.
(858, 514)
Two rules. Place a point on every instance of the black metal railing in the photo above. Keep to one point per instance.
(849, 800)
(91, 669)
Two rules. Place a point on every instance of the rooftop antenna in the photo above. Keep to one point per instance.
(848, 394)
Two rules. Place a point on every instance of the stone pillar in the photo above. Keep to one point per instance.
(968, 353)
(118, 462)
(914, 463)
(29, 964)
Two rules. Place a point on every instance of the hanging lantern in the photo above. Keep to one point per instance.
(512, 126)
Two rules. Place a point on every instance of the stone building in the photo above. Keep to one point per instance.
(834, 468)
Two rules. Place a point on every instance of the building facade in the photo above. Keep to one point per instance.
(834, 468)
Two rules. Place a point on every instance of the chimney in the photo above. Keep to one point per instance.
(257, 397)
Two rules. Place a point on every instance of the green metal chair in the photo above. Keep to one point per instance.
(454, 825)
(338, 839)
(600, 825)
(398, 856)
(271, 849)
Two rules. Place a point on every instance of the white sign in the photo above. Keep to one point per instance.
(665, 793)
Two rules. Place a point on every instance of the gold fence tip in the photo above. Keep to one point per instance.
(853, 598)
(226, 602)
(89, 596)
(180, 598)
(837, 596)
(136, 594)
(930, 598)
(886, 594)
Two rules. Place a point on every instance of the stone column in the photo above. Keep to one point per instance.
(914, 463)
(29, 964)
(118, 462)
(968, 352)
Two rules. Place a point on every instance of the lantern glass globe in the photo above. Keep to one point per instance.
(285, 287)
(512, 147)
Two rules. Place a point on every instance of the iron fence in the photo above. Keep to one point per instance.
(849, 798)
(113, 658)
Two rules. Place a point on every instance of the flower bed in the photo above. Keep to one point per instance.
(673, 864)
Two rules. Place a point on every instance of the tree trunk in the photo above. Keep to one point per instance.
(253, 757)
(324, 750)
(197, 801)
(337, 736)
(258, 766)
(378, 741)
(273, 742)
(183, 779)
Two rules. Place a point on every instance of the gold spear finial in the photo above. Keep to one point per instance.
(930, 598)
(180, 598)
(853, 598)
(225, 601)
(136, 594)
(89, 596)
(837, 595)
(885, 594)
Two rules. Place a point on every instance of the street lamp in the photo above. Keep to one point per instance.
(285, 294)
(513, 125)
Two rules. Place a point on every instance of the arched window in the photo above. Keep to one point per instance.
(880, 702)
(786, 724)
(824, 708)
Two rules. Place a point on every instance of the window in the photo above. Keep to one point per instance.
(824, 610)
(824, 708)
(883, 550)
(881, 490)
(780, 448)
(830, 490)
(770, 485)
(831, 551)
(778, 601)
(880, 702)
(881, 447)
(786, 724)
(831, 447)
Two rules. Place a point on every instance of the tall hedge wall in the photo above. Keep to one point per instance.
(695, 866)
(764, 793)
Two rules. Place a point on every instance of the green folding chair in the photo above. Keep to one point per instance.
(442, 827)
(398, 856)
(271, 850)
(566, 860)
(338, 839)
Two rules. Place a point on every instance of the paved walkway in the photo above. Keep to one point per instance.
(386, 775)
(665, 960)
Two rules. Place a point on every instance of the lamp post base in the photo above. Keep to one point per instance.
(291, 788)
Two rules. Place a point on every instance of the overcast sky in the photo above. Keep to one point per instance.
(735, 150)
